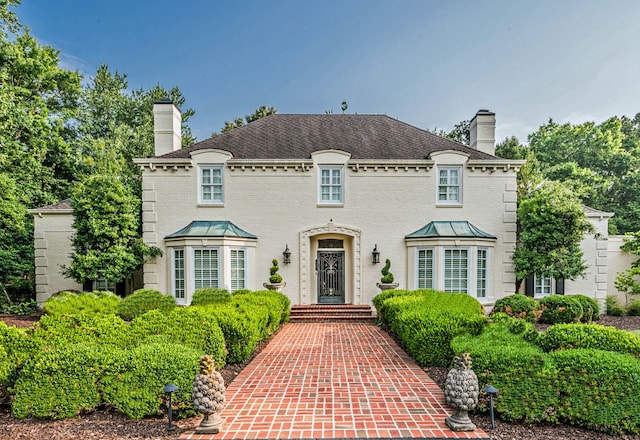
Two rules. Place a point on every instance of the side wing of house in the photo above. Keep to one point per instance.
(52, 241)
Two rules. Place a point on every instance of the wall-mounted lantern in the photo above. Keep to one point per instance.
(375, 255)
(286, 255)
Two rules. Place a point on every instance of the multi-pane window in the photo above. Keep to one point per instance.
(425, 269)
(205, 268)
(541, 285)
(178, 274)
(330, 185)
(449, 185)
(104, 285)
(211, 184)
(481, 273)
(456, 270)
(238, 269)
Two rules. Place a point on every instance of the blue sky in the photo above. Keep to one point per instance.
(429, 63)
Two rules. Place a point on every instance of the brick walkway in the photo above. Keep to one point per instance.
(333, 380)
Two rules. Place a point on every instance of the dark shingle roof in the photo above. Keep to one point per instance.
(282, 136)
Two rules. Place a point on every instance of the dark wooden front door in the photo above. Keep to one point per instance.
(330, 277)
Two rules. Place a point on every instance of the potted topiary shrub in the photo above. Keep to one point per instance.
(386, 282)
(275, 279)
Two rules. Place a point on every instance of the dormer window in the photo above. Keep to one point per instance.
(449, 186)
(330, 188)
(210, 188)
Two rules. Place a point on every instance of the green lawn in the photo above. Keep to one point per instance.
(636, 332)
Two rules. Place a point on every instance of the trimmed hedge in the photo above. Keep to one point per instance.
(518, 306)
(425, 321)
(566, 336)
(143, 300)
(139, 375)
(193, 327)
(62, 382)
(591, 388)
(71, 303)
(210, 295)
(57, 331)
(557, 309)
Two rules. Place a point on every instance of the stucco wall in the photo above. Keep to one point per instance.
(52, 241)
(618, 262)
(278, 203)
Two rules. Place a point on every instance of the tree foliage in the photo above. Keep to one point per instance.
(551, 224)
(107, 242)
(259, 113)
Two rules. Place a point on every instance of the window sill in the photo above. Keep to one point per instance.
(330, 205)
(448, 205)
(210, 205)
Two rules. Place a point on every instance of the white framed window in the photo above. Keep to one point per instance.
(542, 286)
(424, 270)
(210, 184)
(206, 268)
(482, 265)
(238, 263)
(178, 275)
(330, 185)
(456, 270)
(449, 186)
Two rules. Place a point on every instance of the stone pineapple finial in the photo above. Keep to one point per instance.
(208, 395)
(461, 394)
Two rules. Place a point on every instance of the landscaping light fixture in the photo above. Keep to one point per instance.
(491, 391)
(170, 389)
(375, 255)
(286, 255)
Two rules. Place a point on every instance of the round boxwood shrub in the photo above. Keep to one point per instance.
(590, 308)
(518, 306)
(558, 309)
(210, 295)
(143, 300)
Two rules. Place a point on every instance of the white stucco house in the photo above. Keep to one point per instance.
(320, 193)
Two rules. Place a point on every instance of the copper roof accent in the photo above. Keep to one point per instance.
(205, 228)
(450, 229)
(285, 136)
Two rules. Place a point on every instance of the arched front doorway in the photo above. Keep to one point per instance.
(330, 265)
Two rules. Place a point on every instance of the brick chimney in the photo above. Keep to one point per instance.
(482, 134)
(167, 127)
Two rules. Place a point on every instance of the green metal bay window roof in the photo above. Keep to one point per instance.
(455, 229)
(206, 228)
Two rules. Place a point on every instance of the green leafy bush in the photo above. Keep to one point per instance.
(593, 336)
(387, 277)
(613, 308)
(20, 308)
(57, 331)
(242, 327)
(71, 303)
(584, 387)
(590, 308)
(599, 389)
(518, 306)
(210, 295)
(193, 327)
(558, 309)
(19, 348)
(633, 309)
(425, 321)
(143, 300)
(276, 305)
(516, 368)
(62, 382)
(135, 387)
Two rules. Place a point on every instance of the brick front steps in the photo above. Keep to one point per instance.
(331, 313)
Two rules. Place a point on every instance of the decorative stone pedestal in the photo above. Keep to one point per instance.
(460, 421)
(211, 424)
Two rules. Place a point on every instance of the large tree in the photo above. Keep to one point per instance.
(107, 243)
(551, 225)
(259, 113)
